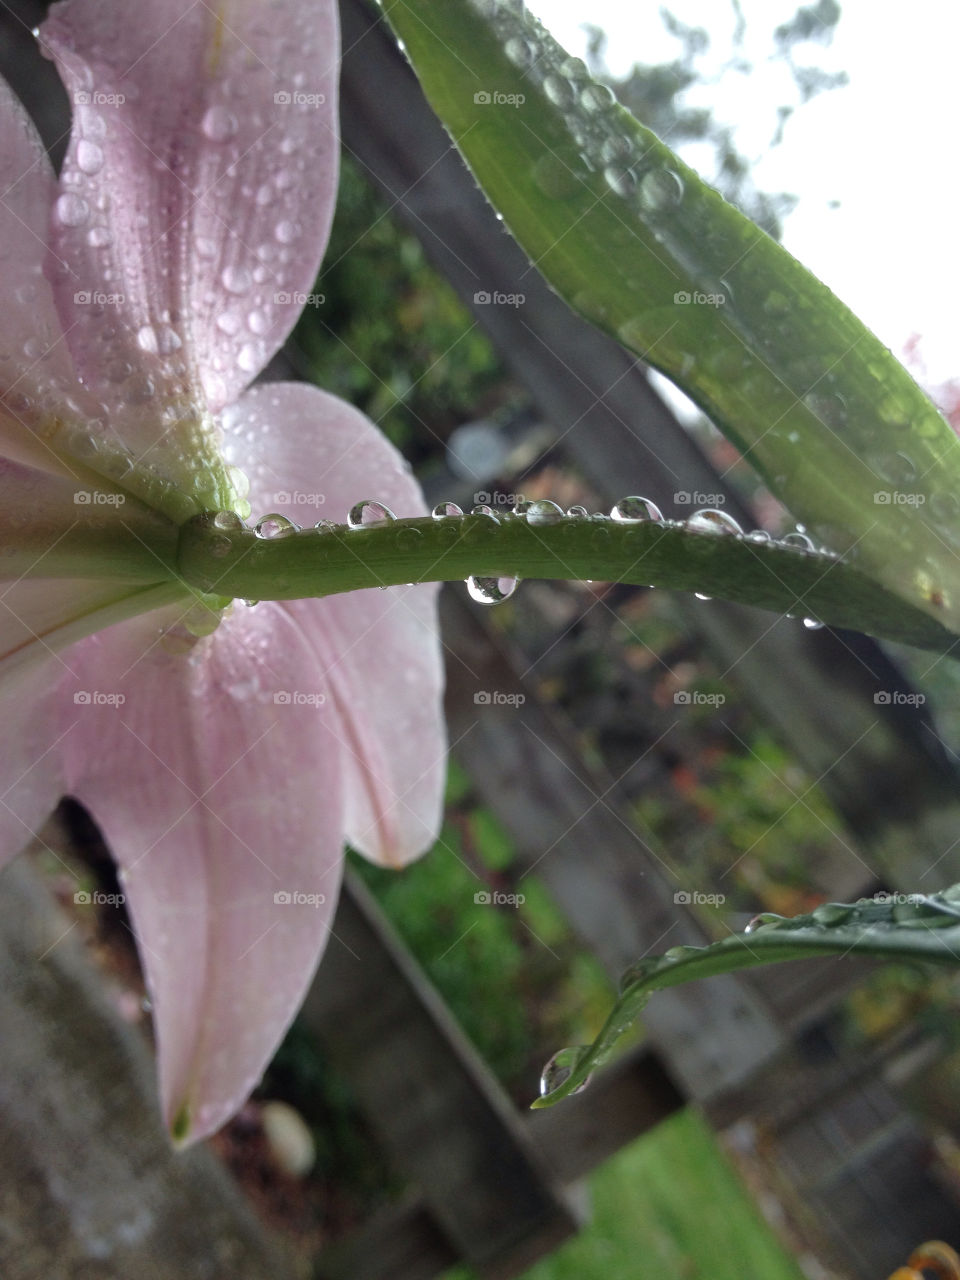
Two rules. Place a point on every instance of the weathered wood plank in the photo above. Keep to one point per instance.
(90, 1189)
(441, 1116)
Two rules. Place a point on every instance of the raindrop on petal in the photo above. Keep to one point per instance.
(363, 515)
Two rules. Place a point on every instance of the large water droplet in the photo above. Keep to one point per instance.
(711, 521)
(89, 156)
(634, 509)
(620, 180)
(559, 1069)
(596, 98)
(71, 210)
(560, 91)
(275, 526)
(578, 512)
(363, 515)
(491, 590)
(519, 51)
(446, 511)
(227, 520)
(660, 189)
(544, 512)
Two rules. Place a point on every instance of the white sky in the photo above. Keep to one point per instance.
(884, 146)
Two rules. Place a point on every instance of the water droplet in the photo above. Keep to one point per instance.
(758, 536)
(286, 232)
(559, 1069)
(89, 156)
(236, 279)
(621, 181)
(800, 541)
(227, 520)
(275, 526)
(596, 98)
(521, 507)
(408, 538)
(219, 124)
(446, 511)
(765, 917)
(700, 596)
(578, 512)
(491, 590)
(544, 512)
(71, 210)
(483, 510)
(519, 51)
(560, 91)
(660, 189)
(812, 624)
(363, 515)
(634, 509)
(710, 521)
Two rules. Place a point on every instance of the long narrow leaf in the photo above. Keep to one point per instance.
(633, 239)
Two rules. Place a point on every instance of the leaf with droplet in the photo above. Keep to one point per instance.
(894, 926)
(634, 240)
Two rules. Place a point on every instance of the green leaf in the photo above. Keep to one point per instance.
(217, 554)
(625, 231)
(895, 926)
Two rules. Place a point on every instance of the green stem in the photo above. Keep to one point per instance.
(236, 562)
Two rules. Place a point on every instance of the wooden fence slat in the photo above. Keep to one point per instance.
(90, 1188)
(440, 1114)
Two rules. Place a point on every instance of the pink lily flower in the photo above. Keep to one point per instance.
(226, 758)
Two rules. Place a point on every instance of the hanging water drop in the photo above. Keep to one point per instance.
(559, 1069)
(812, 624)
(363, 515)
(543, 512)
(491, 590)
(634, 509)
(446, 511)
(274, 525)
(227, 520)
(711, 521)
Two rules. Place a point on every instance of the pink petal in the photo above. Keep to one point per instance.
(199, 188)
(35, 368)
(31, 773)
(308, 455)
(217, 785)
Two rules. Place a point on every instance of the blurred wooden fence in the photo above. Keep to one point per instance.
(87, 1185)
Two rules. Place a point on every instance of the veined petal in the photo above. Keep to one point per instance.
(196, 196)
(307, 451)
(36, 374)
(215, 778)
